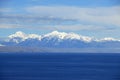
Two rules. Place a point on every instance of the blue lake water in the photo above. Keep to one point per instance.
(59, 66)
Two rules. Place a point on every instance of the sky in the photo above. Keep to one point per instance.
(94, 18)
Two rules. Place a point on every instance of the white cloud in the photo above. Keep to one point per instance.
(79, 27)
(5, 10)
(7, 26)
(32, 19)
(65, 18)
(98, 15)
(76, 27)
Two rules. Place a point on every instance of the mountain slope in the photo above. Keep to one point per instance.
(57, 39)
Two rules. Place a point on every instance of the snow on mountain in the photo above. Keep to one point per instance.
(21, 36)
(57, 39)
(56, 34)
(34, 36)
(63, 35)
(109, 39)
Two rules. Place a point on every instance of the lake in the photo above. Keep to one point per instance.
(59, 66)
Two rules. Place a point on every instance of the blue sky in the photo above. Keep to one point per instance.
(96, 18)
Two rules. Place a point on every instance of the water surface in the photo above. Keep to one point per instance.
(59, 66)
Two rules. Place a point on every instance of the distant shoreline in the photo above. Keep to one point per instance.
(7, 49)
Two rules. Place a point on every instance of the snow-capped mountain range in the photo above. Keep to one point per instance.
(57, 39)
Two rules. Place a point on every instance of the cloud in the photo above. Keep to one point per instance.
(99, 15)
(76, 27)
(34, 19)
(2, 10)
(7, 26)
(79, 27)
(64, 18)
(109, 16)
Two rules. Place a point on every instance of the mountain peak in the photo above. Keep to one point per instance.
(57, 34)
(18, 34)
(64, 35)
